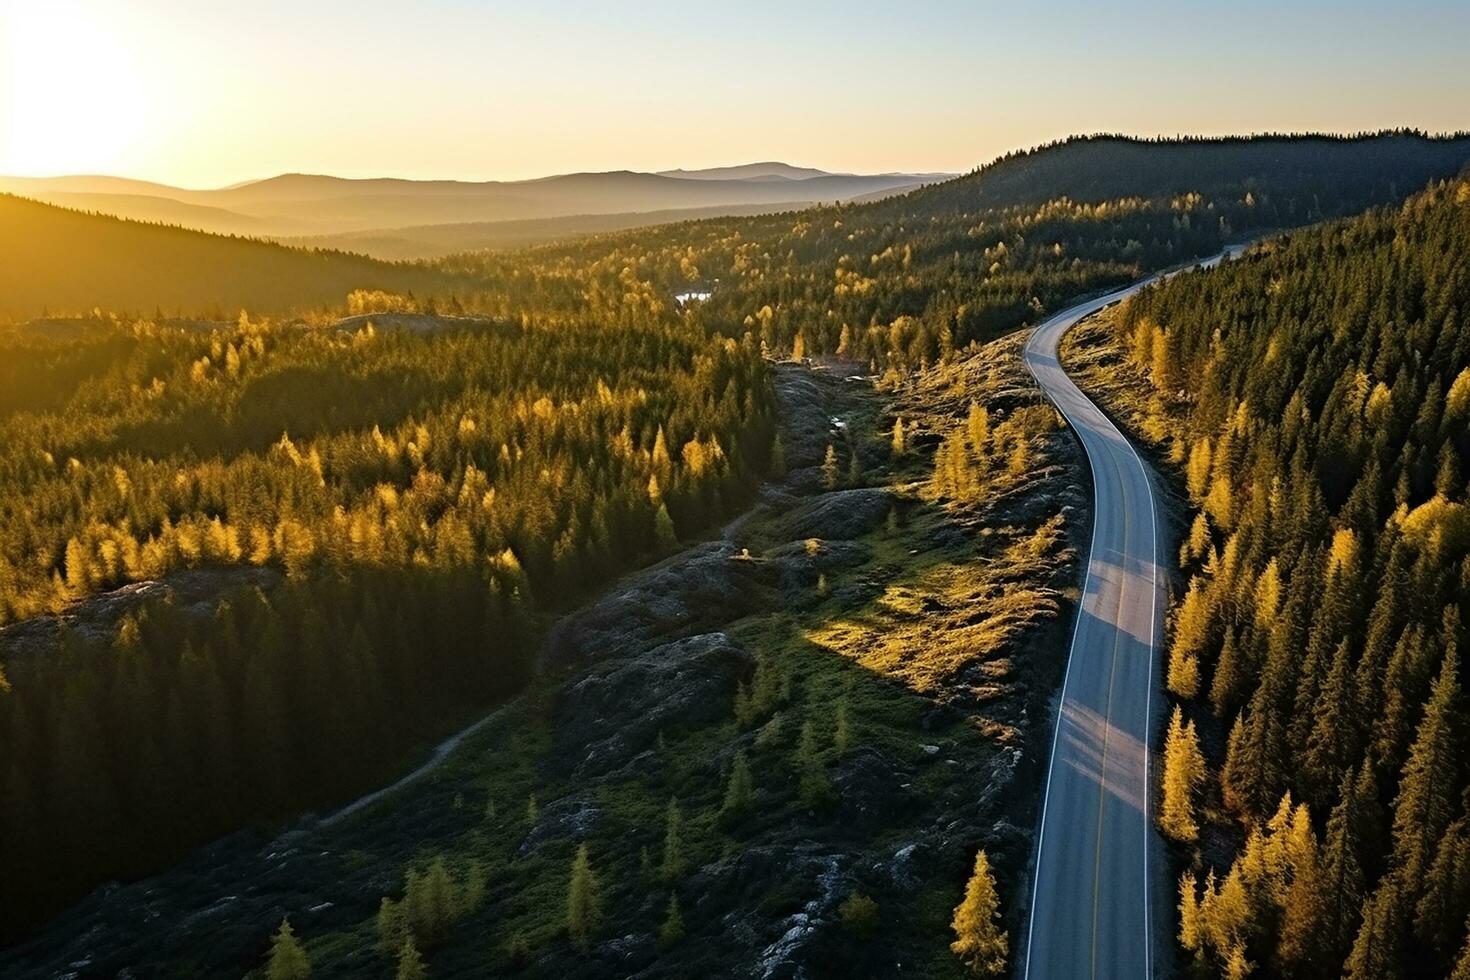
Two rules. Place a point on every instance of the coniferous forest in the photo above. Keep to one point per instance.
(390, 479)
(424, 496)
(1317, 392)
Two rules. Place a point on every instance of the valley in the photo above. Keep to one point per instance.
(779, 622)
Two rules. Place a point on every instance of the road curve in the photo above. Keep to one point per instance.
(1090, 899)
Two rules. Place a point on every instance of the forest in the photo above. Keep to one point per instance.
(902, 283)
(426, 497)
(425, 463)
(1316, 393)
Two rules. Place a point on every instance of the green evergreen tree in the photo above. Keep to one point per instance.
(829, 468)
(410, 963)
(814, 786)
(739, 792)
(391, 928)
(672, 929)
(288, 959)
(1427, 792)
(1377, 952)
(584, 901)
(842, 731)
(674, 862)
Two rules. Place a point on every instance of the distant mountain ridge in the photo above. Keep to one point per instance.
(297, 204)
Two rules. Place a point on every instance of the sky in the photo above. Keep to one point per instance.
(200, 93)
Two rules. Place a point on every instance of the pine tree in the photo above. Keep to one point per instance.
(1377, 952)
(672, 929)
(1184, 771)
(1343, 882)
(1439, 916)
(1427, 792)
(1237, 967)
(533, 812)
(829, 468)
(815, 788)
(1190, 936)
(288, 959)
(1183, 681)
(778, 458)
(664, 535)
(1461, 969)
(859, 914)
(674, 862)
(1333, 741)
(841, 731)
(898, 444)
(739, 791)
(980, 942)
(518, 951)
(410, 963)
(391, 928)
(584, 901)
(437, 904)
(1229, 677)
(977, 431)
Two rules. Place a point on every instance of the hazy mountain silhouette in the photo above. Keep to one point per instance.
(306, 204)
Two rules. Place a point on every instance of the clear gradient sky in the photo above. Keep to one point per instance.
(204, 93)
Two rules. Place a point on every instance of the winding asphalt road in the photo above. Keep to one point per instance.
(1096, 849)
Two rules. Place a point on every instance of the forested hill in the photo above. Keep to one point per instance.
(1319, 391)
(905, 282)
(69, 262)
(1321, 175)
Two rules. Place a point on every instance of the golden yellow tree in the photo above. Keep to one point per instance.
(980, 943)
(1184, 771)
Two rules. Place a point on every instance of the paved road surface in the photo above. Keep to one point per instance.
(1090, 901)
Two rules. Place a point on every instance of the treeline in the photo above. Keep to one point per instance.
(426, 495)
(903, 282)
(1317, 391)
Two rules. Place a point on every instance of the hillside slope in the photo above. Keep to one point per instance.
(1323, 175)
(907, 281)
(67, 261)
(1317, 391)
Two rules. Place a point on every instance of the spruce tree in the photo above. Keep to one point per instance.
(672, 929)
(410, 963)
(1377, 952)
(391, 928)
(980, 942)
(1439, 916)
(1461, 970)
(1343, 881)
(584, 901)
(842, 730)
(814, 786)
(1189, 912)
(739, 792)
(829, 468)
(664, 535)
(288, 959)
(674, 862)
(1184, 771)
(1427, 792)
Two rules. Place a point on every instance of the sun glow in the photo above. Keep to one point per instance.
(75, 97)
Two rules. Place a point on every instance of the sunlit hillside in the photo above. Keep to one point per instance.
(62, 261)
